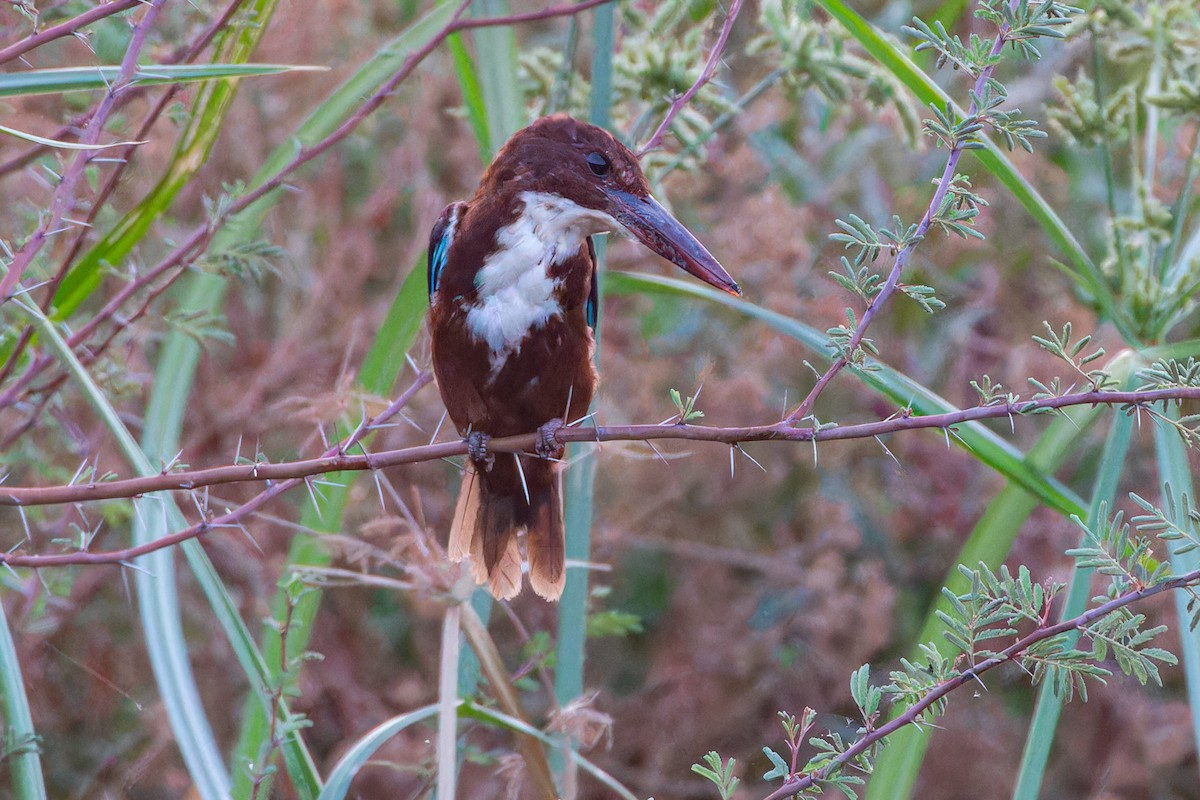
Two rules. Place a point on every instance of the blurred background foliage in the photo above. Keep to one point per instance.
(733, 593)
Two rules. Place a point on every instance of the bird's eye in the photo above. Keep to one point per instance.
(598, 163)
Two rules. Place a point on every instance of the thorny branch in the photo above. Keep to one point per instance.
(179, 259)
(893, 280)
(337, 458)
(64, 194)
(706, 74)
(912, 714)
(65, 28)
(231, 518)
(121, 161)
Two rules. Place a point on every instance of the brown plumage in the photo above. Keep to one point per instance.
(512, 276)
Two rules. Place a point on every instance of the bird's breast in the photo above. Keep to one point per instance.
(518, 288)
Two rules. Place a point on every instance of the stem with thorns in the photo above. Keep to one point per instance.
(912, 714)
(64, 194)
(335, 459)
(706, 74)
(893, 280)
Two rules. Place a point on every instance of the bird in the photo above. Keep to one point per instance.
(512, 290)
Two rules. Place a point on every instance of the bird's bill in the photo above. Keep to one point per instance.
(653, 226)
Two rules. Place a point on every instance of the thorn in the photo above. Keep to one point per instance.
(24, 524)
(570, 393)
(379, 489)
(753, 460)
(521, 472)
(313, 496)
(404, 416)
(658, 453)
(438, 429)
(731, 447)
(891, 455)
(249, 537)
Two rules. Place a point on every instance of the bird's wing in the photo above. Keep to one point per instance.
(593, 301)
(439, 242)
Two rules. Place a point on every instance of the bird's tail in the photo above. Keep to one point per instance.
(493, 507)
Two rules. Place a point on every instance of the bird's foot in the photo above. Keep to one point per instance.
(547, 445)
(477, 449)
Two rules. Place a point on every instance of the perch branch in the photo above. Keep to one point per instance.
(336, 459)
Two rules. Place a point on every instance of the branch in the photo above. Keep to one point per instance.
(179, 259)
(893, 279)
(230, 518)
(65, 28)
(64, 194)
(910, 716)
(337, 459)
(710, 68)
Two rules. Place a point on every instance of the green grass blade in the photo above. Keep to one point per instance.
(1049, 704)
(1173, 471)
(30, 137)
(496, 49)
(157, 599)
(468, 81)
(23, 746)
(980, 441)
(338, 784)
(380, 366)
(191, 152)
(1082, 268)
(78, 79)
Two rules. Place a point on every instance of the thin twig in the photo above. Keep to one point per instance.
(63, 198)
(893, 280)
(706, 74)
(913, 713)
(233, 516)
(65, 28)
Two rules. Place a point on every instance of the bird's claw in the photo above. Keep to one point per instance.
(477, 449)
(546, 444)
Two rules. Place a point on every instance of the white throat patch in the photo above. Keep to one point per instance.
(516, 292)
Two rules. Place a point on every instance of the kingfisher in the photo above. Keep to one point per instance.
(512, 288)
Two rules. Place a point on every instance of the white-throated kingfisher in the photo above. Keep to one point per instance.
(512, 285)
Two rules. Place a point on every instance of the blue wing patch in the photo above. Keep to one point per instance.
(439, 243)
(593, 301)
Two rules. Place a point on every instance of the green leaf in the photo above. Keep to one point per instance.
(23, 745)
(779, 767)
(29, 137)
(77, 79)
(1082, 269)
(337, 785)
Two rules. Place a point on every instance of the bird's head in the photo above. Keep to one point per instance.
(596, 182)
